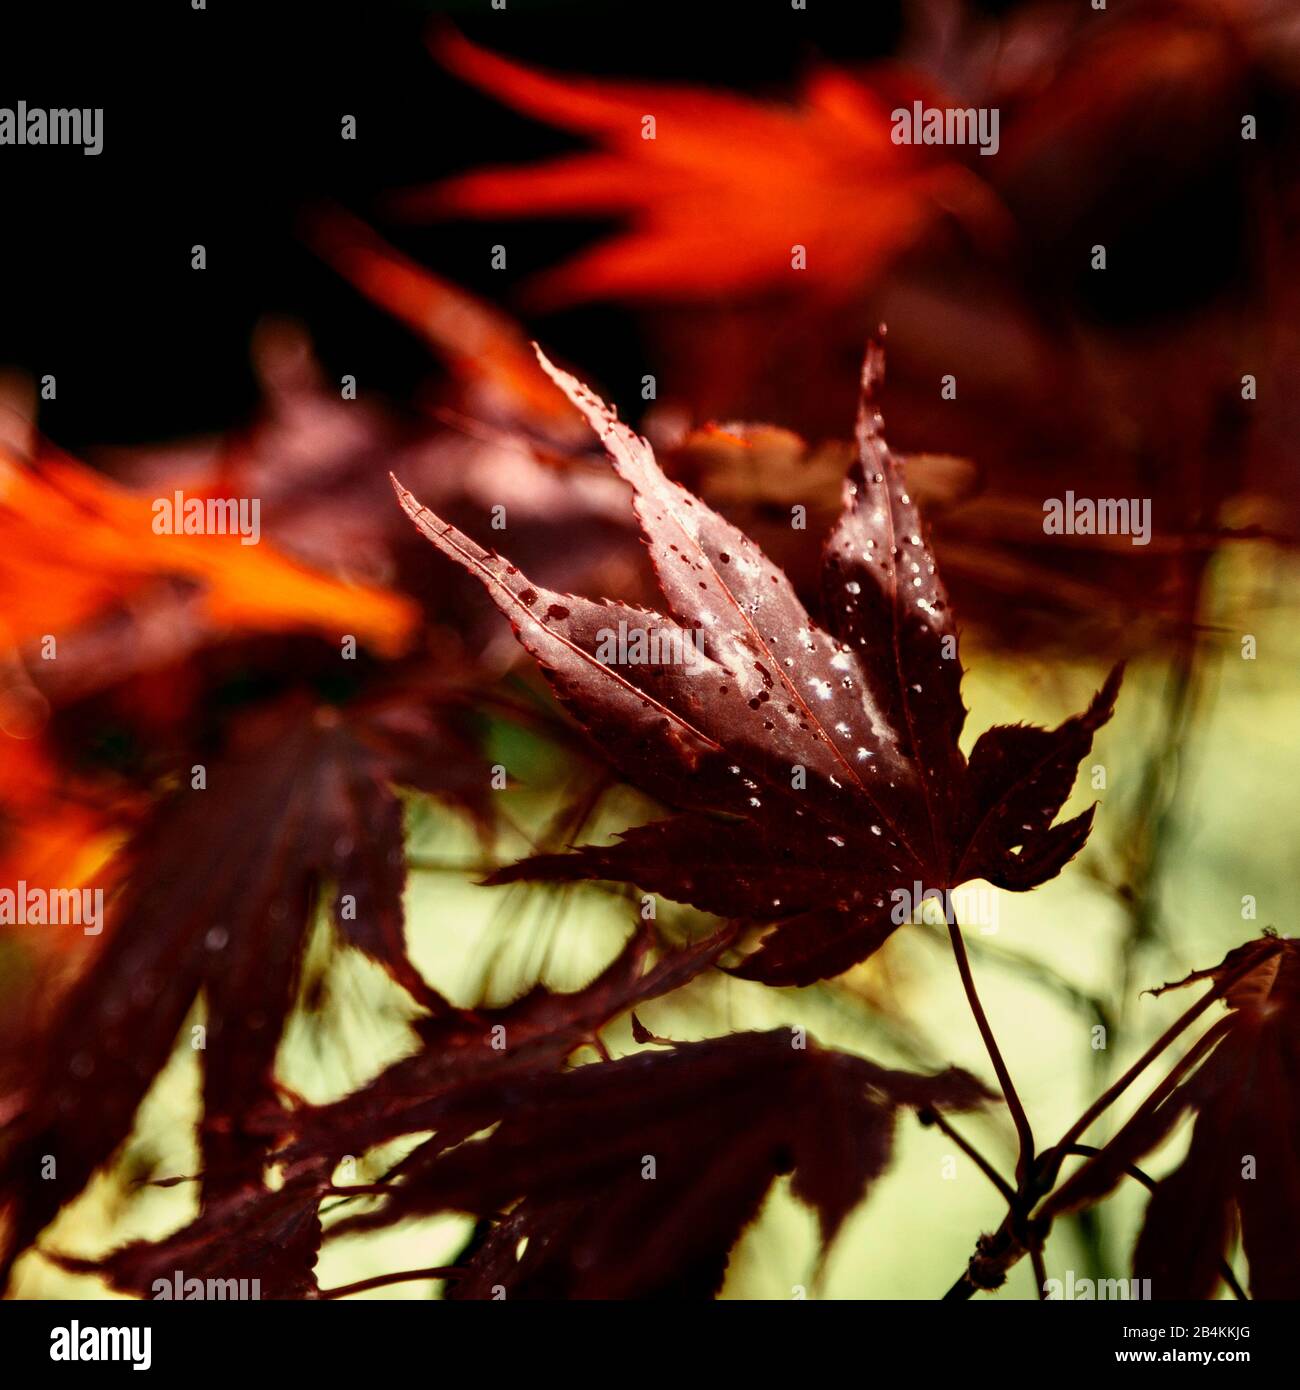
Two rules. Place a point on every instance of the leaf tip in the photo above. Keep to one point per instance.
(407, 500)
(602, 417)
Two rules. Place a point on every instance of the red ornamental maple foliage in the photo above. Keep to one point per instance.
(724, 1117)
(817, 770)
(698, 228)
(721, 1119)
(795, 709)
(303, 797)
(1243, 1166)
(814, 771)
(276, 1233)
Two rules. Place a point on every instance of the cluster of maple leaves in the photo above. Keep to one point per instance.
(810, 762)
(869, 709)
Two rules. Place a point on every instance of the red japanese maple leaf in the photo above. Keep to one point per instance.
(472, 1062)
(473, 1065)
(218, 889)
(817, 770)
(1242, 1170)
(272, 1237)
(719, 1120)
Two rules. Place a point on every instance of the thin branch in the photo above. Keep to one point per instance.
(404, 1276)
(1052, 1158)
(930, 1116)
(995, 1254)
(1025, 1162)
(1250, 964)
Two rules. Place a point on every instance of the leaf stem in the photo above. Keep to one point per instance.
(995, 1254)
(1025, 1161)
(403, 1276)
(1051, 1159)
(930, 1116)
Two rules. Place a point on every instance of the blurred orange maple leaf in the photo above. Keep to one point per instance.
(726, 188)
(487, 352)
(74, 544)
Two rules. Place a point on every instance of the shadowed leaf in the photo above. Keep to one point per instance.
(1242, 1171)
(668, 1155)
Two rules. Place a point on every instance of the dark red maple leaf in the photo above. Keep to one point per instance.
(817, 770)
(1243, 1167)
(219, 889)
(272, 1237)
(634, 1178)
(473, 1061)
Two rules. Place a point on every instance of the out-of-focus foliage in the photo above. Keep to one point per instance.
(290, 767)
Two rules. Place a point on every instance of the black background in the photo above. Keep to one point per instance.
(221, 125)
